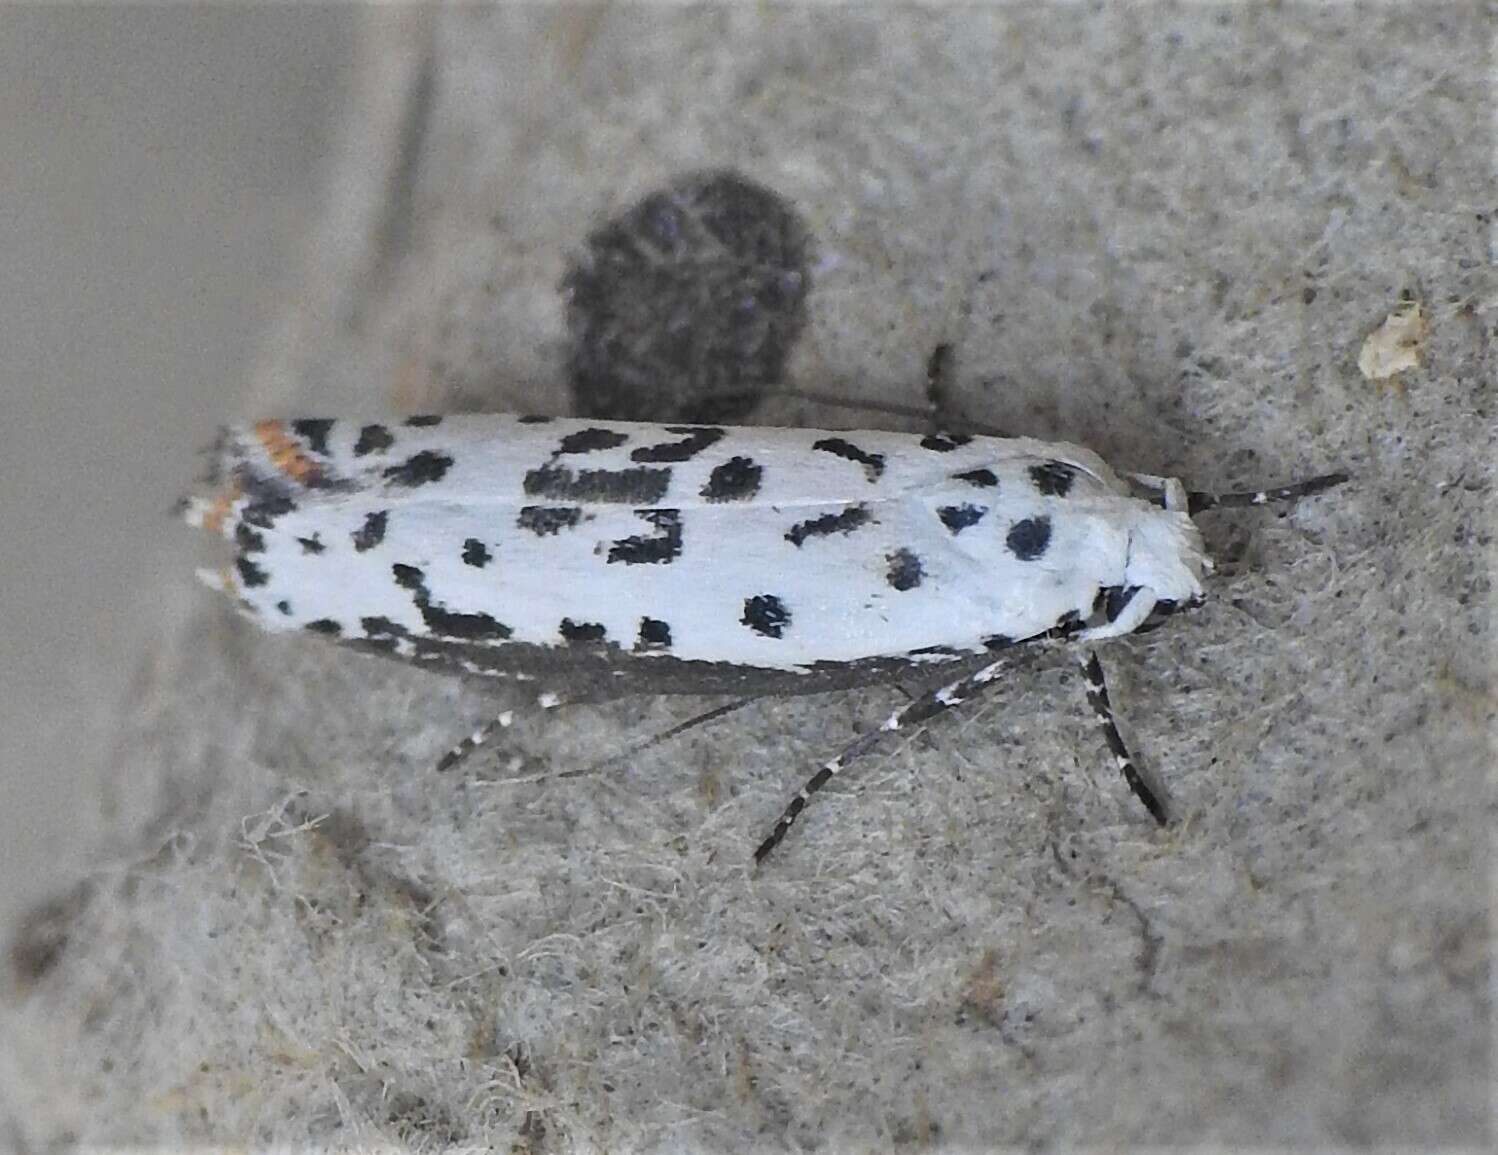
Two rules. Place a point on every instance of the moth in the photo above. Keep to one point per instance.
(601, 558)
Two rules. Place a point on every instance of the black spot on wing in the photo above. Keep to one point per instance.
(581, 633)
(419, 469)
(372, 532)
(422, 420)
(284, 606)
(654, 636)
(588, 440)
(766, 614)
(408, 577)
(695, 438)
(248, 540)
(250, 574)
(544, 520)
(475, 553)
(264, 511)
(737, 479)
(660, 548)
(372, 439)
(936, 651)
(845, 521)
(905, 570)
(637, 486)
(982, 478)
(873, 463)
(382, 627)
(315, 432)
(1028, 539)
(325, 626)
(1067, 624)
(439, 619)
(944, 442)
(959, 517)
(311, 544)
(1053, 478)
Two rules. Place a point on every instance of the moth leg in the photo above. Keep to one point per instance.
(945, 417)
(927, 706)
(502, 721)
(937, 414)
(471, 743)
(1134, 612)
(1097, 696)
(1166, 492)
(932, 419)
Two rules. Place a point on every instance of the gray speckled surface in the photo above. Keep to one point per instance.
(1161, 231)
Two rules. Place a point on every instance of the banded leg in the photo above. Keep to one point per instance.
(1097, 696)
(471, 743)
(925, 707)
(547, 701)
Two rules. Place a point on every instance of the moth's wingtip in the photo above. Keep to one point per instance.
(214, 579)
(193, 510)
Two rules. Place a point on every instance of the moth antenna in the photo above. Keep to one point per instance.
(893, 409)
(926, 414)
(664, 736)
(682, 727)
(927, 706)
(479, 737)
(1097, 696)
(1198, 500)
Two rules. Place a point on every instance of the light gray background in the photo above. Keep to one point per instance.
(157, 170)
(1163, 231)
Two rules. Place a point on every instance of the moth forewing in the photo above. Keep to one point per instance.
(605, 558)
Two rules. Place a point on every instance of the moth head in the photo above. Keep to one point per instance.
(1166, 555)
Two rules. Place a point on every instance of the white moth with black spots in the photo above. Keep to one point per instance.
(607, 557)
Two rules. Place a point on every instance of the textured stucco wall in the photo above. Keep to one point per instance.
(1163, 231)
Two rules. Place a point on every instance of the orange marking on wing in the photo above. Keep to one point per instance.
(220, 508)
(230, 579)
(285, 454)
